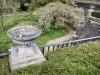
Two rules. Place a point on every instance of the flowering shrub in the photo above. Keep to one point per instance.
(59, 13)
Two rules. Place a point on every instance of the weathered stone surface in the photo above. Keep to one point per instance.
(18, 60)
(89, 30)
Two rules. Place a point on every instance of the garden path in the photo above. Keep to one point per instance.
(61, 39)
(64, 38)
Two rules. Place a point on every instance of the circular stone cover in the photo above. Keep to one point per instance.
(24, 33)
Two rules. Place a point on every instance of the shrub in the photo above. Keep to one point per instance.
(33, 6)
(36, 4)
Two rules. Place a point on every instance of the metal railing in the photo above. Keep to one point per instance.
(4, 54)
(46, 48)
(66, 44)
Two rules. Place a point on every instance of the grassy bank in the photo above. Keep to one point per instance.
(77, 60)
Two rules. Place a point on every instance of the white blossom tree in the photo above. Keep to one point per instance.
(59, 12)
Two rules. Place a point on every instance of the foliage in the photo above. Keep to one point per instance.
(96, 14)
(42, 2)
(59, 13)
(33, 6)
(67, 1)
(38, 3)
(77, 60)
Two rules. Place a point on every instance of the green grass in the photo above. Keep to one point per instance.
(43, 39)
(77, 60)
(11, 21)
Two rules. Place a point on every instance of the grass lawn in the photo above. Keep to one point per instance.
(82, 59)
(11, 21)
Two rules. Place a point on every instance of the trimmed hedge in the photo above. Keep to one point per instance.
(96, 14)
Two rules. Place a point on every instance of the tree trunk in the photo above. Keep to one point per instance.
(14, 8)
(1, 14)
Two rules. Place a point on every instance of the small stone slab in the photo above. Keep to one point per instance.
(17, 61)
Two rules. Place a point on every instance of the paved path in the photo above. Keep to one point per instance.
(61, 39)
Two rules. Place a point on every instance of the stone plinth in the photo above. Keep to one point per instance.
(89, 11)
(18, 60)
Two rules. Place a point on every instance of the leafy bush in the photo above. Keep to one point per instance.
(42, 2)
(33, 6)
(36, 4)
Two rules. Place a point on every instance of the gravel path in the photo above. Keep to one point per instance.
(61, 39)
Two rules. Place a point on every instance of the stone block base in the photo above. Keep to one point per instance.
(17, 61)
